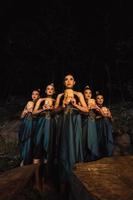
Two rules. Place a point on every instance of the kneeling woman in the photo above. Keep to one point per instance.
(69, 129)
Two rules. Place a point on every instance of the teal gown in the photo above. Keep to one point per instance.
(26, 134)
(69, 141)
(43, 138)
(105, 136)
(90, 138)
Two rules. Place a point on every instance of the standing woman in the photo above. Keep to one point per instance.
(90, 139)
(104, 127)
(44, 133)
(69, 128)
(27, 129)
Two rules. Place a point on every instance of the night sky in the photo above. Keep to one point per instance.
(42, 41)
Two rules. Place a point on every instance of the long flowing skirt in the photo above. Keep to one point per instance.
(69, 134)
(26, 139)
(90, 139)
(105, 137)
(44, 137)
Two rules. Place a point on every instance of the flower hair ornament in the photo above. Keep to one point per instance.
(97, 92)
(52, 84)
(87, 87)
(38, 90)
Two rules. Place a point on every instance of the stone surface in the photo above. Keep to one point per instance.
(14, 181)
(105, 179)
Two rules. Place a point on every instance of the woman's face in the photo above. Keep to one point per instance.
(35, 95)
(49, 90)
(69, 81)
(87, 94)
(99, 99)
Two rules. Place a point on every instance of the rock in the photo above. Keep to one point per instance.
(13, 181)
(10, 130)
(105, 179)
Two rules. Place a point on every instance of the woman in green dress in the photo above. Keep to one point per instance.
(26, 132)
(69, 128)
(90, 139)
(104, 128)
(43, 138)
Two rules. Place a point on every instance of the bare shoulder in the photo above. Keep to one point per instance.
(105, 108)
(79, 94)
(41, 99)
(30, 103)
(60, 95)
(58, 98)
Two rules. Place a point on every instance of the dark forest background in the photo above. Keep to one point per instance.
(41, 41)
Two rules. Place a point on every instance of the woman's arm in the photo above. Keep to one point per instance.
(82, 106)
(37, 109)
(109, 114)
(105, 112)
(28, 108)
(57, 102)
(24, 112)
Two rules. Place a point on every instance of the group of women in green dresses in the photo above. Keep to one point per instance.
(58, 133)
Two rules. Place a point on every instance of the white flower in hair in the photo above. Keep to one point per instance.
(87, 87)
(52, 84)
(97, 92)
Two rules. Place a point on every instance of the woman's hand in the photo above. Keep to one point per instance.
(24, 113)
(97, 108)
(73, 101)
